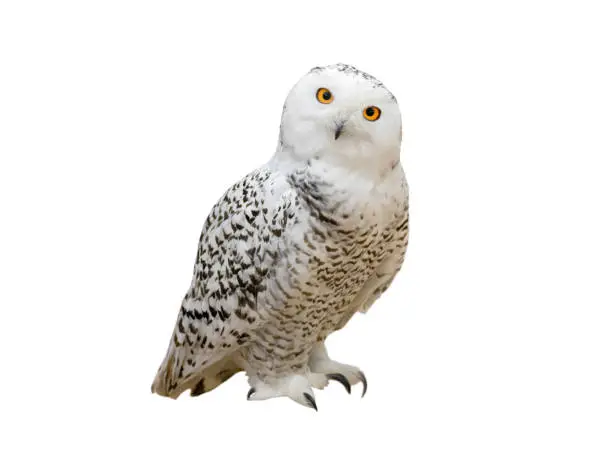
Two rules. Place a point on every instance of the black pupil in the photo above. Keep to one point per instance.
(326, 95)
(370, 112)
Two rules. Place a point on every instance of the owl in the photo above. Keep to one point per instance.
(293, 250)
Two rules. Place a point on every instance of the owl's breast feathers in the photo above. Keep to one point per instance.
(354, 232)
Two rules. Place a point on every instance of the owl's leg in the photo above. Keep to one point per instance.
(297, 387)
(320, 363)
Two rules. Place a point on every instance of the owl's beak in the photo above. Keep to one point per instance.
(339, 128)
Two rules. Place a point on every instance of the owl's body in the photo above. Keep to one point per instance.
(288, 255)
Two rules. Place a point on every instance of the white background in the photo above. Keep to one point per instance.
(122, 122)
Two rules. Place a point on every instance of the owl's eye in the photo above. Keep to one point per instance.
(324, 96)
(371, 113)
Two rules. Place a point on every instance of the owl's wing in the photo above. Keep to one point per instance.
(239, 245)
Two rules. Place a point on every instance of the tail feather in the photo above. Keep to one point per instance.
(166, 380)
(174, 377)
(214, 376)
(175, 374)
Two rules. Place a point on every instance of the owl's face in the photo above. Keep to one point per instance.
(342, 115)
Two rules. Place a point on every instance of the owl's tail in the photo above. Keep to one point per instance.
(167, 382)
(171, 382)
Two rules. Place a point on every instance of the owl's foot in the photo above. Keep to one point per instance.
(348, 376)
(344, 374)
(296, 387)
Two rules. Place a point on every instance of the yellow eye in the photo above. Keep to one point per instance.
(371, 113)
(324, 96)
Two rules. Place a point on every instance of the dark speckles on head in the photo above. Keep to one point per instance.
(354, 71)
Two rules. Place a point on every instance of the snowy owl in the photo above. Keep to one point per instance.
(292, 251)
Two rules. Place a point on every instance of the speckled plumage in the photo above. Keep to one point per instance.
(294, 249)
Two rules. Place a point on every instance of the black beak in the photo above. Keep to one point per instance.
(339, 127)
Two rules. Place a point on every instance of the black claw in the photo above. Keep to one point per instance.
(342, 379)
(311, 401)
(364, 381)
(251, 391)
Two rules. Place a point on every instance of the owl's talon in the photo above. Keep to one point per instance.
(342, 379)
(311, 401)
(319, 362)
(250, 393)
(364, 382)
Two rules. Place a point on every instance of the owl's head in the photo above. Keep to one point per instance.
(341, 115)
